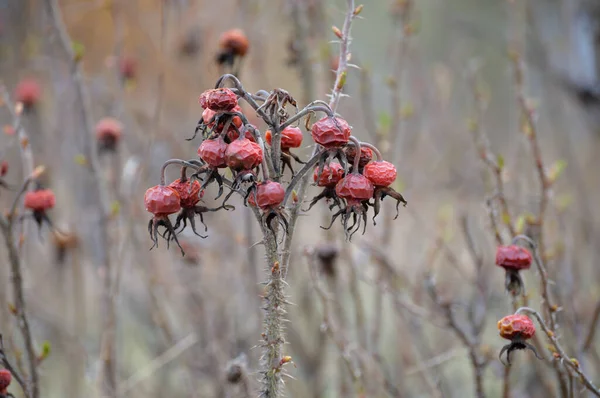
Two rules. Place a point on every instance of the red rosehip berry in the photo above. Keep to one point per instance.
(213, 152)
(208, 114)
(28, 92)
(128, 68)
(162, 200)
(513, 257)
(243, 154)
(516, 327)
(234, 41)
(381, 173)
(291, 137)
(5, 379)
(330, 175)
(366, 154)
(269, 195)
(331, 132)
(354, 187)
(108, 133)
(218, 99)
(3, 168)
(40, 200)
(233, 135)
(189, 192)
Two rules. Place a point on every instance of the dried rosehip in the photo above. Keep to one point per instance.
(291, 137)
(381, 173)
(161, 201)
(330, 175)
(243, 154)
(513, 259)
(5, 379)
(233, 135)
(235, 42)
(108, 133)
(516, 328)
(331, 132)
(354, 188)
(209, 114)
(213, 152)
(366, 155)
(28, 92)
(218, 99)
(189, 192)
(39, 202)
(269, 194)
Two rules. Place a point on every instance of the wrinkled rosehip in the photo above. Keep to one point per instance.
(380, 173)
(234, 41)
(233, 135)
(291, 137)
(209, 114)
(513, 257)
(162, 200)
(330, 175)
(516, 326)
(40, 200)
(366, 155)
(354, 187)
(28, 92)
(269, 194)
(330, 132)
(243, 154)
(218, 99)
(5, 380)
(213, 152)
(189, 192)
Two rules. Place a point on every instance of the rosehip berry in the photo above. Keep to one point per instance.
(243, 154)
(208, 115)
(330, 132)
(218, 99)
(213, 152)
(234, 41)
(365, 155)
(513, 257)
(233, 135)
(162, 200)
(381, 173)
(354, 187)
(128, 68)
(189, 192)
(28, 92)
(3, 168)
(108, 133)
(269, 194)
(330, 175)
(40, 200)
(516, 326)
(5, 379)
(291, 137)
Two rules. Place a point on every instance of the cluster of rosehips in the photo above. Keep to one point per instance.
(230, 142)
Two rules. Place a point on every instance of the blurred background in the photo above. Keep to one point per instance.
(434, 78)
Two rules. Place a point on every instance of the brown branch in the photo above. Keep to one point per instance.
(589, 340)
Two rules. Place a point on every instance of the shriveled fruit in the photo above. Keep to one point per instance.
(243, 154)
(213, 152)
(162, 200)
(330, 175)
(189, 192)
(291, 137)
(331, 132)
(516, 326)
(269, 194)
(354, 187)
(513, 257)
(218, 99)
(381, 173)
(366, 155)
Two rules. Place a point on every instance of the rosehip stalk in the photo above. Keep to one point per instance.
(357, 144)
(179, 162)
(375, 150)
(305, 169)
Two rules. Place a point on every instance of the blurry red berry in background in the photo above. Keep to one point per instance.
(189, 192)
(5, 379)
(330, 132)
(40, 200)
(128, 67)
(234, 41)
(108, 133)
(161, 200)
(3, 168)
(381, 173)
(28, 92)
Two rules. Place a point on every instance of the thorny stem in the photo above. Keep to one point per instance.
(559, 353)
(340, 74)
(299, 176)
